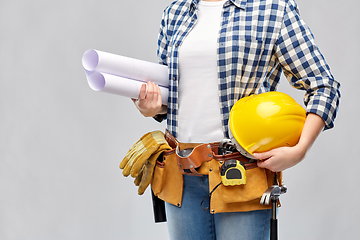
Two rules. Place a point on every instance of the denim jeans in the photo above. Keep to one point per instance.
(191, 222)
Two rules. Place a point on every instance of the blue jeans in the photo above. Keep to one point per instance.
(191, 222)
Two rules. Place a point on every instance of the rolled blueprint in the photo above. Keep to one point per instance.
(98, 61)
(119, 85)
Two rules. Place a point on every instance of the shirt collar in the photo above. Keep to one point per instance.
(238, 3)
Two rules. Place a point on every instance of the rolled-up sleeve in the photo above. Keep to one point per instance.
(305, 68)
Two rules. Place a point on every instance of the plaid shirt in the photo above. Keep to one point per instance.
(258, 40)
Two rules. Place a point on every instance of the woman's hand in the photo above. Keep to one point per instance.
(282, 158)
(149, 103)
(279, 159)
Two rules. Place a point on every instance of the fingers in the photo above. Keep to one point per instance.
(149, 91)
(149, 102)
(159, 100)
(266, 160)
(271, 164)
(262, 156)
(280, 159)
(148, 173)
(138, 179)
(142, 94)
(153, 92)
(262, 164)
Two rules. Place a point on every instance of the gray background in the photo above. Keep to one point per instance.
(61, 142)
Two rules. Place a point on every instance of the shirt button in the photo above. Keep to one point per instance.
(192, 19)
(176, 45)
(174, 78)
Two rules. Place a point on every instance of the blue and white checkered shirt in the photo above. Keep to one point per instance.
(258, 40)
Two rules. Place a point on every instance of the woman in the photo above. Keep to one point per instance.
(219, 51)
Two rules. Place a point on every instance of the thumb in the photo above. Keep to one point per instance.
(263, 155)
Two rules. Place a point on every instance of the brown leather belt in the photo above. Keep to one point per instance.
(199, 153)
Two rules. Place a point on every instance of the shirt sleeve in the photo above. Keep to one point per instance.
(305, 68)
(162, 54)
(162, 41)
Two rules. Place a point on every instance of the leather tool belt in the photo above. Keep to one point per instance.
(192, 156)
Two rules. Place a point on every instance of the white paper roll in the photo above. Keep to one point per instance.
(99, 61)
(119, 85)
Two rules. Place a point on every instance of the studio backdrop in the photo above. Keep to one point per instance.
(61, 142)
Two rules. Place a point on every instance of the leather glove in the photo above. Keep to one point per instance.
(140, 160)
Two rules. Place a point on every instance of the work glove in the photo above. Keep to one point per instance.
(140, 160)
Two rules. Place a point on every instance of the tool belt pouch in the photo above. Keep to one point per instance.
(167, 183)
(256, 183)
(189, 160)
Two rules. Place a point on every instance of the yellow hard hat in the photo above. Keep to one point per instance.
(259, 123)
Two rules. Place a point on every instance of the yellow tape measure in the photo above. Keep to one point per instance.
(232, 173)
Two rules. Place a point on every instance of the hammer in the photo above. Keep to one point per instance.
(272, 194)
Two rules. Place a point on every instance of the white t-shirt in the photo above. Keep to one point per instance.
(199, 107)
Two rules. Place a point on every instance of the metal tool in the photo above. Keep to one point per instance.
(226, 147)
(232, 172)
(272, 194)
